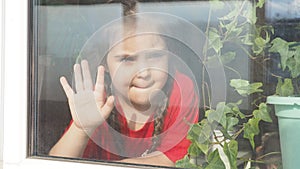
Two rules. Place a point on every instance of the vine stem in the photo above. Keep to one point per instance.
(268, 154)
(238, 133)
(246, 51)
(233, 70)
(203, 85)
(208, 91)
(235, 18)
(217, 140)
(254, 161)
(259, 160)
(257, 100)
(260, 63)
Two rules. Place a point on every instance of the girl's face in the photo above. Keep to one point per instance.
(138, 67)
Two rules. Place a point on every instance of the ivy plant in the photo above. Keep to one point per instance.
(289, 53)
(239, 26)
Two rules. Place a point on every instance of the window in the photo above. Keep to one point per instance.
(59, 34)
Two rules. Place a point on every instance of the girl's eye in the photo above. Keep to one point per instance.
(156, 55)
(127, 59)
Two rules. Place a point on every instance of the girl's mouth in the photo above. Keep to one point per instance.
(143, 85)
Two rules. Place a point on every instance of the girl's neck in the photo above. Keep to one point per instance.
(135, 118)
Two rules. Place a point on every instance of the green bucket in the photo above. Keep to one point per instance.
(287, 109)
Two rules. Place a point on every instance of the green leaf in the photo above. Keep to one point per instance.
(282, 47)
(236, 110)
(260, 41)
(213, 61)
(244, 88)
(250, 15)
(251, 129)
(194, 150)
(231, 151)
(231, 27)
(296, 71)
(200, 135)
(293, 63)
(203, 129)
(257, 49)
(238, 83)
(214, 161)
(278, 87)
(231, 122)
(285, 88)
(239, 102)
(259, 46)
(185, 163)
(231, 15)
(228, 57)
(247, 39)
(260, 3)
(215, 40)
(194, 132)
(218, 115)
(204, 147)
(224, 115)
(206, 129)
(262, 113)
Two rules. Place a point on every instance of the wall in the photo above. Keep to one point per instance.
(1, 79)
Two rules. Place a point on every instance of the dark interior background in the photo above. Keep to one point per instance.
(61, 27)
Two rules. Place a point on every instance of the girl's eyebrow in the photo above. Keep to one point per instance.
(123, 55)
(120, 55)
(135, 54)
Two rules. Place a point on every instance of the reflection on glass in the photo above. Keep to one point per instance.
(161, 71)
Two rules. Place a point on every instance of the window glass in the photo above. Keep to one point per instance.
(176, 77)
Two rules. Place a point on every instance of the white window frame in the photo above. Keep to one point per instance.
(14, 99)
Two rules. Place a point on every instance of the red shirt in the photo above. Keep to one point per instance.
(182, 110)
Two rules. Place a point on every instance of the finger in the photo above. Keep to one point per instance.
(78, 78)
(67, 88)
(108, 106)
(99, 87)
(87, 79)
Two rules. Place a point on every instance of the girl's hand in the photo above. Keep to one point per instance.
(89, 106)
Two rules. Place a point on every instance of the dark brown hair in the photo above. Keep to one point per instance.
(96, 52)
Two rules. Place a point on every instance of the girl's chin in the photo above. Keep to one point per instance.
(140, 103)
(140, 99)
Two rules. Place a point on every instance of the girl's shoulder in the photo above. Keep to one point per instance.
(183, 93)
(183, 83)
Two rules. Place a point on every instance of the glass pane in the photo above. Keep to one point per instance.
(181, 79)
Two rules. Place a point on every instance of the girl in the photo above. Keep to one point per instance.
(141, 107)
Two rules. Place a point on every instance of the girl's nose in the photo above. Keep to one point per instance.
(143, 73)
(143, 70)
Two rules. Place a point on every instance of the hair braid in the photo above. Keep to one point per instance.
(129, 7)
(114, 120)
(160, 117)
(158, 126)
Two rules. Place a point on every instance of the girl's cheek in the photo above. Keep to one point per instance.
(162, 66)
(124, 72)
(121, 78)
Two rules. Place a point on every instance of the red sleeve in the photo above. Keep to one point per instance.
(183, 110)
